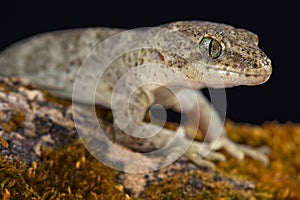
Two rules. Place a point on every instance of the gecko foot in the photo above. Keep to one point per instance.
(193, 153)
(239, 151)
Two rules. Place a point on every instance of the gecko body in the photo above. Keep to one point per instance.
(184, 56)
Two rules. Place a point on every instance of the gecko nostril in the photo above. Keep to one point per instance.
(255, 65)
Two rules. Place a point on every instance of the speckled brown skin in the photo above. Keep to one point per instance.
(241, 58)
(51, 61)
(239, 47)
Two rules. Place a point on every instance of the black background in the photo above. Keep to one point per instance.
(276, 23)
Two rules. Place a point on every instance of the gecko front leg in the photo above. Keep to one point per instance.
(138, 135)
(210, 124)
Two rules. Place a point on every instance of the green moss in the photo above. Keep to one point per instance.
(67, 173)
(3, 143)
(16, 121)
(194, 185)
(70, 172)
(280, 179)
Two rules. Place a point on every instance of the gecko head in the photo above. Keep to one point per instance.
(232, 54)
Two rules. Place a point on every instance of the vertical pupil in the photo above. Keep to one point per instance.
(210, 47)
(214, 49)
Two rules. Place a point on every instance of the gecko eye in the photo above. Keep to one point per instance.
(212, 46)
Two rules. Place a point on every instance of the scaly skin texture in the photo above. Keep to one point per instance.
(195, 53)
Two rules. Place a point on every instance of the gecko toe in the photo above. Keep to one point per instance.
(239, 151)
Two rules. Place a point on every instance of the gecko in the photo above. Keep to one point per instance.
(199, 54)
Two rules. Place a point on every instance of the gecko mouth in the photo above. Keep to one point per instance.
(264, 71)
(247, 76)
